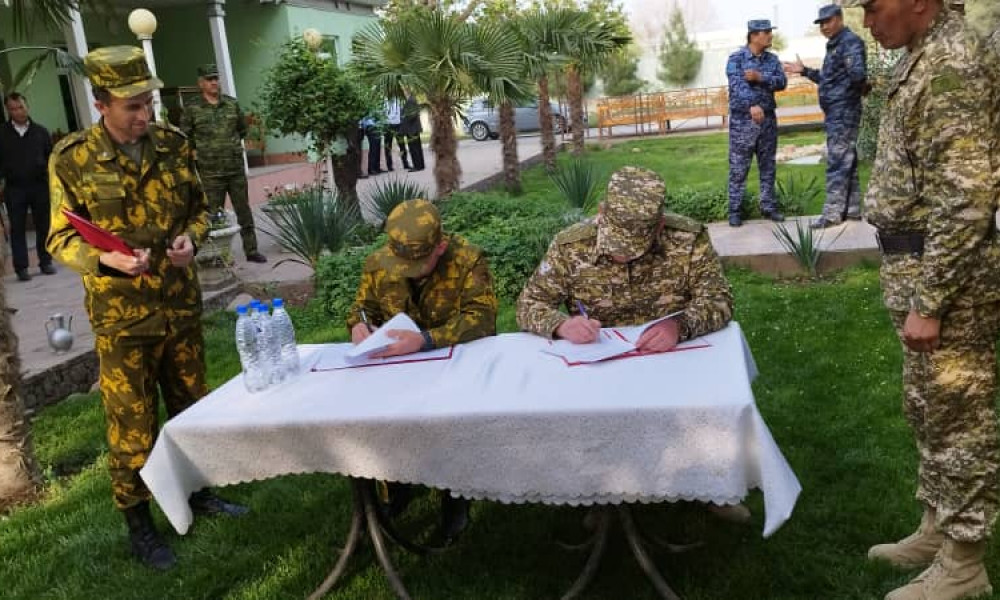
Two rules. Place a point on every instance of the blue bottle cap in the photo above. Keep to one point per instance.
(242, 309)
(277, 303)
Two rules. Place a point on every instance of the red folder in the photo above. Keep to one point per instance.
(97, 237)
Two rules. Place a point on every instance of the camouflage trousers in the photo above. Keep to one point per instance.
(746, 140)
(843, 191)
(216, 187)
(134, 372)
(950, 403)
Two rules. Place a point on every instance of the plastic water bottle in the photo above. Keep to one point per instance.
(248, 348)
(257, 312)
(272, 347)
(284, 331)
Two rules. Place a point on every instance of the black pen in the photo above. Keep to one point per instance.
(364, 319)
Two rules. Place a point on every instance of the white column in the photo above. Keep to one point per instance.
(83, 100)
(147, 47)
(220, 44)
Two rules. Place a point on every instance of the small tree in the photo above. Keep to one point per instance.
(307, 95)
(680, 58)
(619, 74)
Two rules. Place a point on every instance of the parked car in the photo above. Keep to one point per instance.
(482, 119)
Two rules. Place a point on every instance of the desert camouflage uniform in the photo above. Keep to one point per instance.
(215, 132)
(678, 270)
(147, 328)
(935, 175)
(454, 304)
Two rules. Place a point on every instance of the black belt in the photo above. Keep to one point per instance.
(900, 243)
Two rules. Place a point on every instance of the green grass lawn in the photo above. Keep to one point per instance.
(829, 389)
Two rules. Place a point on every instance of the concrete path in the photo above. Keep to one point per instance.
(752, 245)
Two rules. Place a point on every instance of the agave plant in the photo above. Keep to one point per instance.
(385, 196)
(312, 222)
(577, 181)
(795, 193)
(804, 246)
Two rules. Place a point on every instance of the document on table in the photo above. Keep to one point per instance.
(379, 340)
(612, 342)
(334, 358)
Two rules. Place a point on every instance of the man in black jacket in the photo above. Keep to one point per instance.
(24, 155)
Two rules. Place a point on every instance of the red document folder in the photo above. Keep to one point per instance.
(97, 237)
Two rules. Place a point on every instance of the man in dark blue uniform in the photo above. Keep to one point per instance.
(754, 76)
(842, 82)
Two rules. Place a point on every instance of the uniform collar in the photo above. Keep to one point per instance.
(107, 150)
(830, 43)
(943, 24)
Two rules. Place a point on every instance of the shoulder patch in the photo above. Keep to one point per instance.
(575, 233)
(70, 140)
(948, 80)
(676, 221)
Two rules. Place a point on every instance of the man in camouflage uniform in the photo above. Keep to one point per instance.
(444, 284)
(137, 180)
(842, 83)
(754, 76)
(215, 127)
(630, 265)
(932, 197)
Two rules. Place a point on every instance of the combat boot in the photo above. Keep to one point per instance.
(147, 545)
(916, 550)
(957, 573)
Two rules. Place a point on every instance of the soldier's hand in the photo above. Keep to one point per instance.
(133, 265)
(660, 337)
(359, 333)
(795, 68)
(921, 334)
(181, 251)
(757, 114)
(752, 75)
(579, 330)
(408, 343)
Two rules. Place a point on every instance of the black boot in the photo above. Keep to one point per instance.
(147, 545)
(207, 504)
(454, 517)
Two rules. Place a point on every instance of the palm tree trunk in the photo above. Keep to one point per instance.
(19, 478)
(508, 137)
(574, 93)
(545, 124)
(444, 145)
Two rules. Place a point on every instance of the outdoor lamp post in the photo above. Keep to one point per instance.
(143, 24)
(313, 38)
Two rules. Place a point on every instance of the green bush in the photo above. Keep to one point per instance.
(514, 248)
(701, 204)
(338, 276)
(465, 211)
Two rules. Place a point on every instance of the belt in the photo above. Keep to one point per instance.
(901, 243)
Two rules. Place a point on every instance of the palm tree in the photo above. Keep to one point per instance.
(445, 60)
(592, 43)
(549, 34)
(19, 477)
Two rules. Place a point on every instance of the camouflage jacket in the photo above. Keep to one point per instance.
(147, 207)
(215, 131)
(935, 174)
(744, 94)
(454, 304)
(842, 79)
(682, 271)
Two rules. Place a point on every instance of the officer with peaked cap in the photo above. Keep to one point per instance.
(136, 179)
(444, 284)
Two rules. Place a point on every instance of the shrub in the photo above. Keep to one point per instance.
(795, 192)
(880, 68)
(803, 246)
(578, 182)
(514, 247)
(701, 204)
(310, 222)
(338, 276)
(387, 195)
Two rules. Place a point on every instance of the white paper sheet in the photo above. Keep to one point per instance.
(379, 340)
(332, 358)
(611, 342)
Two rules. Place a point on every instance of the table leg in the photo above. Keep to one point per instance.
(641, 555)
(598, 542)
(353, 537)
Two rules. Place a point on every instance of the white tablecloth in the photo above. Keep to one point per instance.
(498, 421)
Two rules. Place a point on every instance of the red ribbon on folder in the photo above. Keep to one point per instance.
(97, 237)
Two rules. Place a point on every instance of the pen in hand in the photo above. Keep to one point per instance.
(364, 319)
(583, 311)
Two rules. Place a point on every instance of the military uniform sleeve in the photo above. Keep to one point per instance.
(959, 185)
(774, 76)
(366, 299)
(547, 289)
(711, 304)
(64, 243)
(187, 125)
(197, 224)
(739, 89)
(241, 121)
(813, 75)
(477, 314)
(855, 60)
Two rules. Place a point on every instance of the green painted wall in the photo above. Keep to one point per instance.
(183, 40)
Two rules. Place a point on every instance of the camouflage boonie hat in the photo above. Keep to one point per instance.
(630, 212)
(208, 70)
(122, 70)
(414, 229)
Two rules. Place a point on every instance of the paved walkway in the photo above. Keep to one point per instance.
(752, 245)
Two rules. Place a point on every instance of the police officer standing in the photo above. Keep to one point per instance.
(842, 83)
(932, 198)
(754, 76)
(136, 179)
(215, 127)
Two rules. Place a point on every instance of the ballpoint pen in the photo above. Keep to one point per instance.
(583, 311)
(364, 319)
